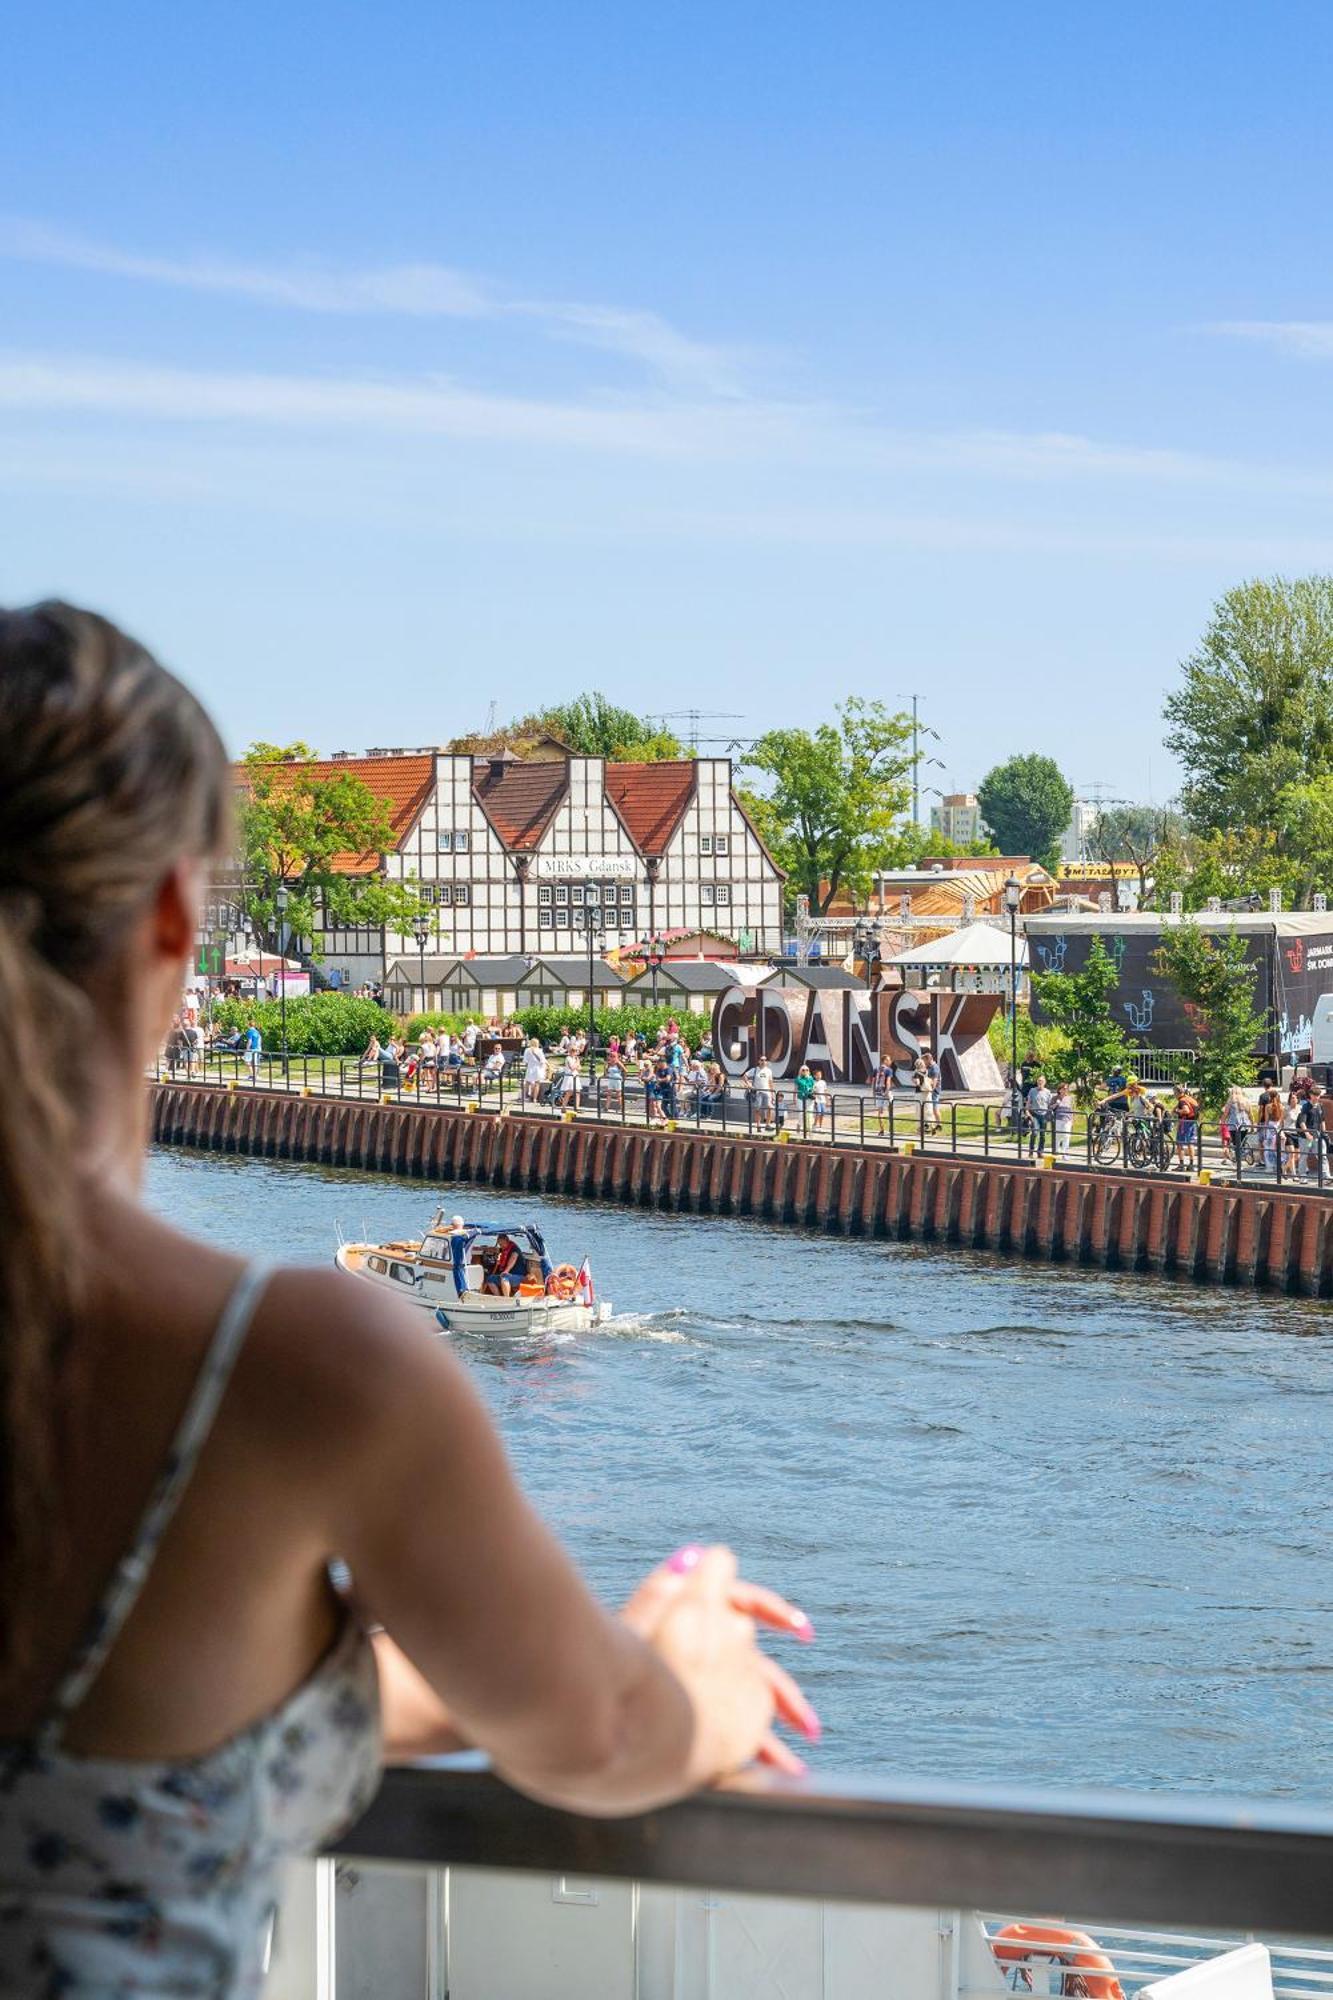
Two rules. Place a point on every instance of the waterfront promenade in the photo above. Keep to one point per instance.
(968, 1127)
(975, 1194)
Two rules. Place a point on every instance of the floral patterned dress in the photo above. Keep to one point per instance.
(126, 1877)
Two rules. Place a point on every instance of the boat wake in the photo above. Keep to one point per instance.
(661, 1326)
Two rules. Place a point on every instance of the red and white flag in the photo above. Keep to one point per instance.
(584, 1292)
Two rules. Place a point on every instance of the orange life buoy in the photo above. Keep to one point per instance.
(1092, 1975)
(563, 1281)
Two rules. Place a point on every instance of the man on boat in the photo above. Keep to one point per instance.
(505, 1273)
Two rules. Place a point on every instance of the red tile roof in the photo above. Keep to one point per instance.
(651, 799)
(519, 800)
(403, 784)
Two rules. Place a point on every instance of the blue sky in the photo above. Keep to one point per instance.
(378, 364)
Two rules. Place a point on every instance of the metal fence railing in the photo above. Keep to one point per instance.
(901, 1121)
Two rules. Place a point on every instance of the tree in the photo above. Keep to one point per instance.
(1254, 712)
(292, 825)
(830, 813)
(590, 726)
(1215, 978)
(1229, 867)
(1305, 837)
(1136, 834)
(594, 727)
(1079, 1004)
(1026, 803)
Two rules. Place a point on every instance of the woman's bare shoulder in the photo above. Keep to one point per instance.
(323, 1348)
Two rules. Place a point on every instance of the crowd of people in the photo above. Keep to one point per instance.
(1286, 1132)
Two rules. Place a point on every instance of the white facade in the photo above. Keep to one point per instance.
(492, 894)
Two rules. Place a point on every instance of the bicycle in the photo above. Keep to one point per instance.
(1150, 1144)
(1106, 1130)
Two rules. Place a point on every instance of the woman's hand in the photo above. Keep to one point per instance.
(701, 1618)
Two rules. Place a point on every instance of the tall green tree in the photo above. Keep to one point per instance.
(830, 811)
(1231, 866)
(1026, 804)
(1304, 837)
(1215, 978)
(292, 826)
(1079, 1004)
(596, 727)
(1253, 713)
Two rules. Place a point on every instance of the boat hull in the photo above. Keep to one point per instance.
(398, 1269)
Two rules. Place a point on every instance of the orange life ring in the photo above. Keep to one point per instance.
(563, 1281)
(1094, 1979)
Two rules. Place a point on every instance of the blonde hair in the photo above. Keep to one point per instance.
(110, 772)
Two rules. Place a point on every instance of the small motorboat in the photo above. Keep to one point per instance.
(482, 1277)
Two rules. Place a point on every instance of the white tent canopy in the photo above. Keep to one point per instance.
(985, 946)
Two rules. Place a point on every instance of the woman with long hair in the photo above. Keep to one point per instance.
(188, 1440)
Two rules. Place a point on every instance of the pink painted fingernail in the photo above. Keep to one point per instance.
(685, 1559)
(811, 1726)
(802, 1627)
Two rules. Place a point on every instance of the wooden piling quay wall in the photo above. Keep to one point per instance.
(1217, 1234)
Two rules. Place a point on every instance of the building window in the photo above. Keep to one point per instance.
(562, 892)
(705, 892)
(460, 843)
(462, 892)
(444, 893)
(545, 920)
(544, 895)
(426, 891)
(724, 892)
(627, 895)
(705, 843)
(720, 843)
(576, 894)
(445, 842)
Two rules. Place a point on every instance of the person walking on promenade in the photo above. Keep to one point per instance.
(881, 1090)
(820, 1099)
(1039, 1102)
(805, 1090)
(1188, 1153)
(1062, 1119)
(1239, 1125)
(252, 1047)
(186, 1701)
(534, 1071)
(762, 1084)
(934, 1086)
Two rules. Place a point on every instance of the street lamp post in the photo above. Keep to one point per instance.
(592, 917)
(656, 953)
(1013, 896)
(421, 932)
(280, 903)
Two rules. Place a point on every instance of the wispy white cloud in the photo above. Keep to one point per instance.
(1307, 339)
(415, 291)
(698, 429)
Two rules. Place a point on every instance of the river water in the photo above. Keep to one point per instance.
(1052, 1525)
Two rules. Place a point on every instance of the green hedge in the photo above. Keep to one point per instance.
(549, 1023)
(318, 1024)
(453, 1024)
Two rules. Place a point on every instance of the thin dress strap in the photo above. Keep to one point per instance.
(131, 1572)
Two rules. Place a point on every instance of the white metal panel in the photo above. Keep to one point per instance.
(512, 1936)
